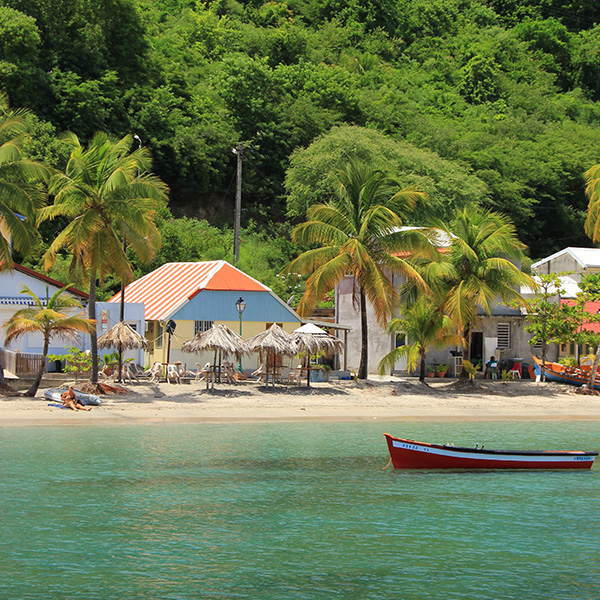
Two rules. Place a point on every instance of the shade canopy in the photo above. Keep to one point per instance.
(271, 343)
(122, 336)
(218, 338)
(275, 339)
(313, 340)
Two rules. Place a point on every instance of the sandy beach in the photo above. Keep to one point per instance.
(394, 400)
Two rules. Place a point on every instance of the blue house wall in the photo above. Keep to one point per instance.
(209, 305)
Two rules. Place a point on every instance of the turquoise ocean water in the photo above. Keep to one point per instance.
(291, 511)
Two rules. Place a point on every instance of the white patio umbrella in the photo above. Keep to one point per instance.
(311, 339)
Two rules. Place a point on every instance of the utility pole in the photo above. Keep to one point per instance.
(238, 205)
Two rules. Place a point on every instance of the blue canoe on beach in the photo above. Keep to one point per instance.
(563, 374)
(83, 398)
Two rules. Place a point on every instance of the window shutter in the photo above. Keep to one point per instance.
(503, 335)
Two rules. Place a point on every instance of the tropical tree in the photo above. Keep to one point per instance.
(20, 196)
(357, 233)
(592, 222)
(478, 269)
(50, 318)
(424, 326)
(107, 195)
(592, 230)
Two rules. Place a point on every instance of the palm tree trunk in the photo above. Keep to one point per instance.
(364, 348)
(594, 369)
(32, 391)
(422, 371)
(94, 333)
(466, 352)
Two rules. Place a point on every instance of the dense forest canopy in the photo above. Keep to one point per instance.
(495, 102)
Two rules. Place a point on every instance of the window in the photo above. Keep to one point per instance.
(400, 340)
(202, 326)
(538, 346)
(503, 335)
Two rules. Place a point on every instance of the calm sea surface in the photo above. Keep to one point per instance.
(291, 511)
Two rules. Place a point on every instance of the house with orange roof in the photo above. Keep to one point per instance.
(182, 299)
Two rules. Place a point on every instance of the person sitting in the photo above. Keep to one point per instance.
(491, 368)
(69, 400)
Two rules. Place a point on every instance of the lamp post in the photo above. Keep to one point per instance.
(240, 306)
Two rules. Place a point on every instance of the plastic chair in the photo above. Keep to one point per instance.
(515, 372)
(173, 374)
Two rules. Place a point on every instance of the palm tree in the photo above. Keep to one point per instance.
(425, 327)
(477, 270)
(592, 230)
(106, 194)
(20, 196)
(51, 321)
(357, 233)
(592, 222)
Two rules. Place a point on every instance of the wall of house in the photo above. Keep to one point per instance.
(108, 314)
(11, 284)
(380, 342)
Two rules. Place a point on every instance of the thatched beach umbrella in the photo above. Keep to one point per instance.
(311, 339)
(122, 337)
(219, 339)
(271, 343)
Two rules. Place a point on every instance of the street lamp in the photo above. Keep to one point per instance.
(240, 306)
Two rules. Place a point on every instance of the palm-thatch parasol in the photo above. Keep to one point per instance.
(311, 339)
(271, 343)
(220, 339)
(122, 337)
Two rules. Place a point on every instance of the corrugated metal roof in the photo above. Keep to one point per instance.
(586, 257)
(168, 288)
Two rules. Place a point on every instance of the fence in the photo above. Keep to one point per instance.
(21, 363)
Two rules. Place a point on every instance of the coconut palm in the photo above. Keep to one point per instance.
(592, 230)
(477, 271)
(51, 321)
(358, 233)
(592, 222)
(20, 197)
(106, 193)
(425, 326)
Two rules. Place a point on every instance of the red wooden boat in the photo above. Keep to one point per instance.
(408, 454)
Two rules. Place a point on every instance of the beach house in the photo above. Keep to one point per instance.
(181, 299)
(11, 300)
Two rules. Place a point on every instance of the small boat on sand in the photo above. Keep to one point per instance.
(564, 374)
(408, 454)
(55, 394)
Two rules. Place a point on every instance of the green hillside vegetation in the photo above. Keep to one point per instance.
(495, 102)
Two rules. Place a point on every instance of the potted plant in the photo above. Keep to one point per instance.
(441, 370)
(431, 371)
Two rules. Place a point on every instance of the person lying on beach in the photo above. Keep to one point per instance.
(69, 400)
